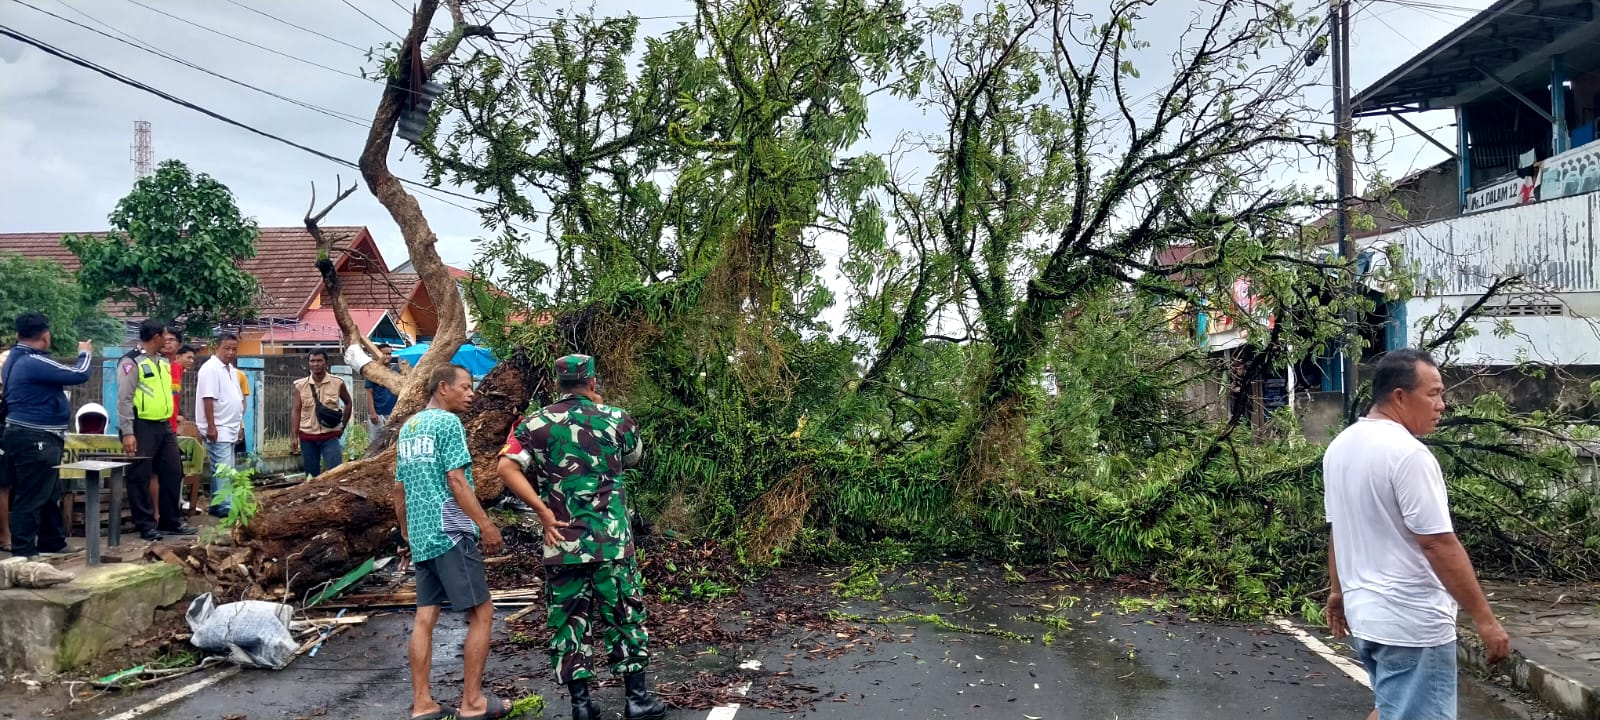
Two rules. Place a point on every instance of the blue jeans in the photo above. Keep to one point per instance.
(222, 456)
(1413, 683)
(320, 456)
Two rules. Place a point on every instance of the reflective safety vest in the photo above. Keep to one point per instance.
(152, 399)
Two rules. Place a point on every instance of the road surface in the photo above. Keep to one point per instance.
(1104, 661)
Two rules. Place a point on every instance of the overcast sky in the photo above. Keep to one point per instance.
(66, 132)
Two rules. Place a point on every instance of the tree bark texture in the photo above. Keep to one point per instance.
(314, 532)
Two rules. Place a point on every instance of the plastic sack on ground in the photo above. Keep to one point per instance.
(252, 632)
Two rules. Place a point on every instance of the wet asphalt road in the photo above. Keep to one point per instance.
(1101, 664)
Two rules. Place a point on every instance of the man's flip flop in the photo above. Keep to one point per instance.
(445, 712)
(497, 709)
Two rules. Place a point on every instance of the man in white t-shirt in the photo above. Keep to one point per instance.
(1396, 569)
(219, 413)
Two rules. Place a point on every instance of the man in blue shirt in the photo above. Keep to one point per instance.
(380, 400)
(35, 434)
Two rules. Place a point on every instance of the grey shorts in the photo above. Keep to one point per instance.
(456, 578)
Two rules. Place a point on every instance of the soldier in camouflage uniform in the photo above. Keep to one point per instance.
(575, 452)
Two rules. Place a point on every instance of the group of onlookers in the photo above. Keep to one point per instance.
(38, 417)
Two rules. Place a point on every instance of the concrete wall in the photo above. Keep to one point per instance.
(1425, 196)
(1569, 339)
(1550, 243)
(1566, 391)
(1553, 245)
(1320, 415)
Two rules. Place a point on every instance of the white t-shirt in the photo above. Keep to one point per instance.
(1381, 486)
(218, 380)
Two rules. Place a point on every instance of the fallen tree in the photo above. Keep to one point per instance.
(688, 226)
(323, 528)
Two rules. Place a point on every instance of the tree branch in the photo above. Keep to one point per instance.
(1471, 312)
(376, 372)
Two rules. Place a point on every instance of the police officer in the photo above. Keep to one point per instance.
(576, 450)
(35, 435)
(144, 420)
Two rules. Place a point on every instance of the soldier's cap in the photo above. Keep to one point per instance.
(574, 368)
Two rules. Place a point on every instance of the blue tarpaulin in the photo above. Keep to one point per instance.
(477, 360)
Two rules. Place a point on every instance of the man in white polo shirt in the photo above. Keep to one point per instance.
(1397, 570)
(219, 412)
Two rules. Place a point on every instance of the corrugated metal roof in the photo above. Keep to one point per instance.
(1512, 38)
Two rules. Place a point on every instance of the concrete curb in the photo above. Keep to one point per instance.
(1566, 687)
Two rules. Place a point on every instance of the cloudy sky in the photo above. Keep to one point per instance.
(66, 132)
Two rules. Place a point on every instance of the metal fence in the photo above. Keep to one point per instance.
(89, 392)
(277, 405)
(272, 399)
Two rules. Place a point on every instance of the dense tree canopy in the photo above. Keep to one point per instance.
(46, 287)
(174, 250)
(996, 365)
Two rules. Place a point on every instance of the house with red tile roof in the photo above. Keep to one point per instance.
(291, 316)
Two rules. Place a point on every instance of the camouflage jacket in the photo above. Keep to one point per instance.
(573, 453)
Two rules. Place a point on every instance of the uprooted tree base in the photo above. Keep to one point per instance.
(318, 530)
(309, 534)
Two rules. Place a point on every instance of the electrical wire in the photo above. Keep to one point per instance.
(143, 46)
(47, 48)
(1461, 12)
(301, 28)
(373, 19)
(251, 44)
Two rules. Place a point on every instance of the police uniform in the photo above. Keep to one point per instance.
(144, 410)
(574, 453)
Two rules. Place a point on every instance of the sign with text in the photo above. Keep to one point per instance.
(194, 457)
(1507, 191)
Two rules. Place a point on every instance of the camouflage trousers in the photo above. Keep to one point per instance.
(607, 593)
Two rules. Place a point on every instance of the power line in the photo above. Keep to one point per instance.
(373, 19)
(114, 75)
(301, 28)
(251, 44)
(1463, 12)
(143, 46)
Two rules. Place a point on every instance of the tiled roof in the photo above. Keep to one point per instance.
(284, 264)
(389, 292)
(320, 326)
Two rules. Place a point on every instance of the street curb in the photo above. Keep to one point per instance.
(1543, 677)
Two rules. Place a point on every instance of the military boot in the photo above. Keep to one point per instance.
(582, 706)
(641, 704)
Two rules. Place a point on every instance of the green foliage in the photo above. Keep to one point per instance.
(173, 251)
(861, 583)
(526, 706)
(238, 492)
(937, 621)
(355, 442)
(948, 594)
(1008, 375)
(45, 286)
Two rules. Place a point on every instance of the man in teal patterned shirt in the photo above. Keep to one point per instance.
(444, 525)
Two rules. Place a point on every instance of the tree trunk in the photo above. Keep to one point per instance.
(310, 533)
(313, 532)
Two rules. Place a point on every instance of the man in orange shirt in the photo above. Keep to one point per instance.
(172, 349)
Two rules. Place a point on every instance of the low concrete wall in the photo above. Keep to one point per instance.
(43, 632)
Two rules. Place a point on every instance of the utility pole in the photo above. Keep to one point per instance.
(1339, 31)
